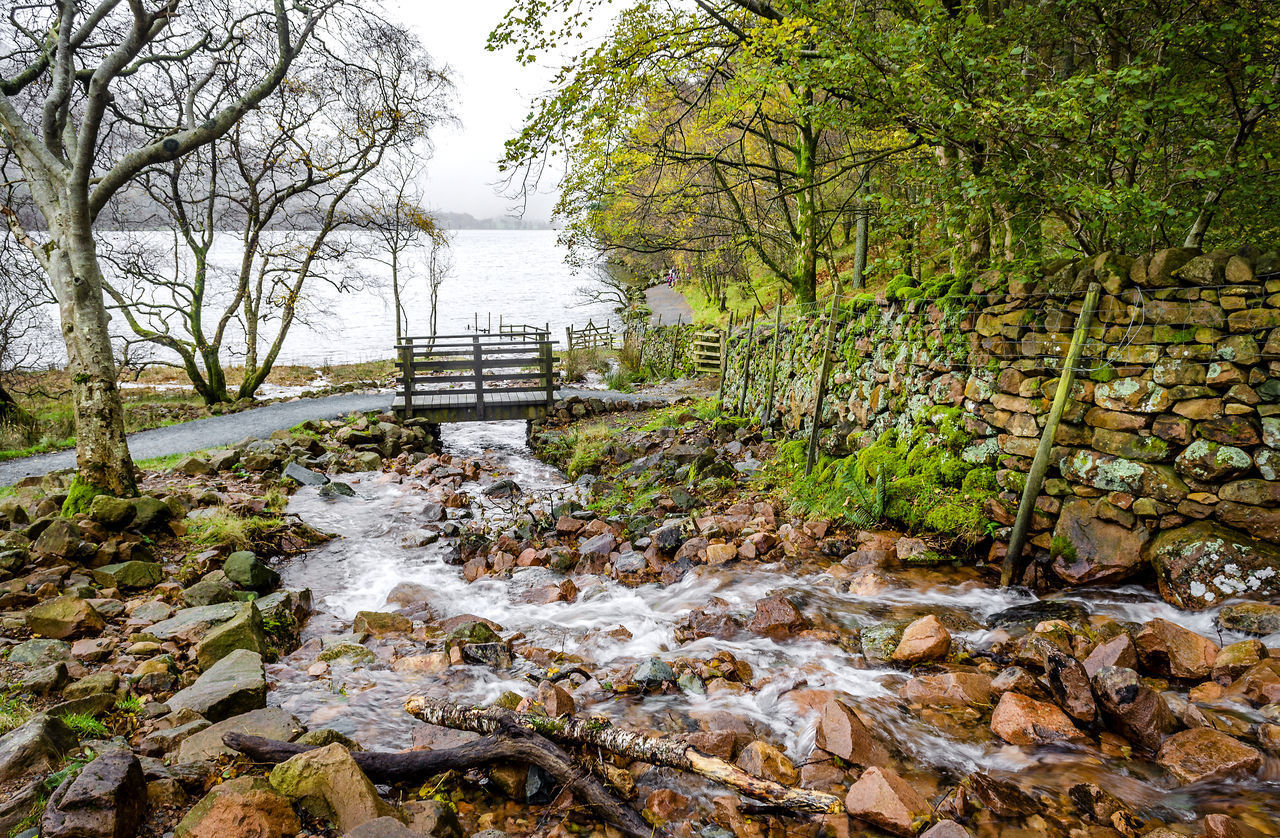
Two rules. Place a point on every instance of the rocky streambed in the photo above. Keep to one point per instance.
(661, 592)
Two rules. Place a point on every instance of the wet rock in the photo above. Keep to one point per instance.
(842, 733)
(107, 799)
(1033, 613)
(669, 538)
(235, 684)
(504, 488)
(1251, 617)
(764, 760)
(244, 568)
(777, 617)
(1235, 659)
(38, 745)
(328, 783)
(948, 689)
(1205, 754)
(495, 655)
(598, 545)
(381, 624)
(556, 700)
(243, 631)
(1088, 550)
(667, 805)
(1134, 710)
(1022, 720)
(304, 476)
(1168, 649)
(1102, 807)
(925, 639)
(472, 630)
(882, 798)
(1069, 683)
(63, 617)
(653, 673)
(1204, 562)
(946, 829)
(433, 819)
(268, 722)
(1118, 651)
(411, 596)
(245, 806)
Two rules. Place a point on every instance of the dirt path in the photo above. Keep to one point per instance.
(668, 305)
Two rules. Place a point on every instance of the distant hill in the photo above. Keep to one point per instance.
(467, 221)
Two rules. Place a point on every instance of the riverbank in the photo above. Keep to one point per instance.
(650, 574)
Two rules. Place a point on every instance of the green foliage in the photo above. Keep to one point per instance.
(85, 726)
(14, 712)
(576, 363)
(220, 526)
(130, 704)
(80, 496)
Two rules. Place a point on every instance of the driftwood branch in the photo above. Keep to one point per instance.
(601, 734)
(509, 744)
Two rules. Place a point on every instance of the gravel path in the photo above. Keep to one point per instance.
(667, 304)
(217, 431)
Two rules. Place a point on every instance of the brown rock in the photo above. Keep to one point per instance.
(556, 699)
(1086, 549)
(1021, 720)
(1069, 683)
(667, 805)
(720, 553)
(764, 760)
(842, 733)
(948, 689)
(1206, 754)
(778, 618)
(1235, 659)
(925, 639)
(882, 798)
(245, 807)
(1118, 651)
(1134, 710)
(1018, 680)
(1169, 649)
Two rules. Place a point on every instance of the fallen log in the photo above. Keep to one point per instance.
(508, 744)
(601, 734)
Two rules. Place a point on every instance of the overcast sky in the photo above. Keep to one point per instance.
(493, 95)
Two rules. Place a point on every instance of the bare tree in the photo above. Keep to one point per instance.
(282, 179)
(27, 335)
(95, 91)
(396, 217)
(439, 268)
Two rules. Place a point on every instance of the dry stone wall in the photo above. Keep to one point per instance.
(1167, 460)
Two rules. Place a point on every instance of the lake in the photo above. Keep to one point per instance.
(518, 275)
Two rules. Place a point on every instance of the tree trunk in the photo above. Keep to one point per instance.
(102, 454)
(395, 291)
(804, 274)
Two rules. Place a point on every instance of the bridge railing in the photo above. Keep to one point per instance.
(476, 376)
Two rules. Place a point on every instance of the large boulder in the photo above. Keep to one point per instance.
(37, 745)
(189, 625)
(1168, 649)
(842, 733)
(777, 617)
(1250, 617)
(107, 799)
(1133, 709)
(245, 806)
(1203, 563)
(1088, 550)
(234, 685)
(243, 631)
(247, 571)
(63, 617)
(329, 784)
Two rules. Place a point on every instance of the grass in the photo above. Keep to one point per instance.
(85, 726)
(221, 526)
(168, 461)
(576, 363)
(14, 713)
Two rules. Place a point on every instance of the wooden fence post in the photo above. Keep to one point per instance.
(812, 455)
(766, 415)
(724, 364)
(479, 374)
(548, 370)
(406, 374)
(1040, 465)
(746, 365)
(675, 347)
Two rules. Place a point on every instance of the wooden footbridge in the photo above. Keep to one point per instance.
(477, 377)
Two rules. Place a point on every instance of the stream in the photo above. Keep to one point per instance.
(356, 572)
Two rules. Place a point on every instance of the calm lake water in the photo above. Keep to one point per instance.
(518, 275)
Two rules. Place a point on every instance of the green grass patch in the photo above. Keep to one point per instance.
(85, 726)
(221, 526)
(14, 713)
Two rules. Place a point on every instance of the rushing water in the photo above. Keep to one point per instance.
(357, 571)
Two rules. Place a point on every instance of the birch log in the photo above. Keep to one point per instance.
(601, 734)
